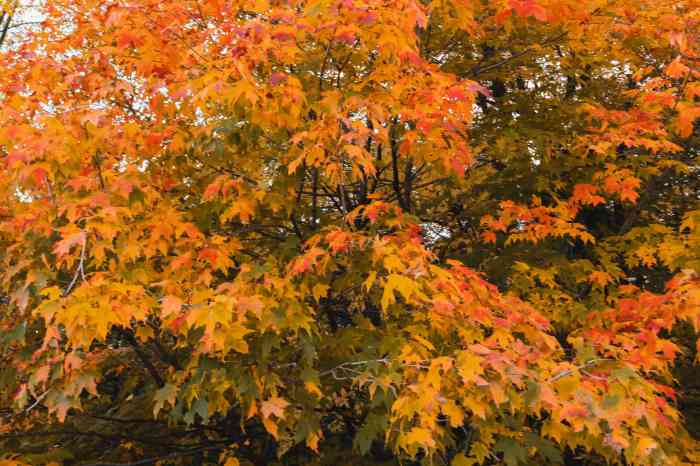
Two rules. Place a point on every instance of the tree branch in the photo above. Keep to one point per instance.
(129, 337)
(80, 271)
(583, 366)
(396, 182)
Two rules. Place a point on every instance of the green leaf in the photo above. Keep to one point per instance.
(200, 407)
(531, 393)
(15, 335)
(166, 394)
(513, 452)
(136, 196)
(374, 425)
(461, 460)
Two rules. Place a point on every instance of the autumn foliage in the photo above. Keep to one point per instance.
(350, 232)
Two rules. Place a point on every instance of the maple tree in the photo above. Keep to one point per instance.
(366, 231)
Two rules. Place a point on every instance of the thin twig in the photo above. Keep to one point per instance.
(37, 401)
(681, 90)
(50, 191)
(80, 271)
(585, 365)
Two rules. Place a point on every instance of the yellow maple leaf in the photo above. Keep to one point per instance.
(419, 436)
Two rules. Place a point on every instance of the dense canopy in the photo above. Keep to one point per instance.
(440, 232)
